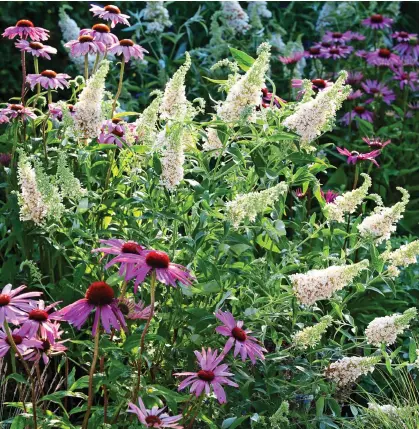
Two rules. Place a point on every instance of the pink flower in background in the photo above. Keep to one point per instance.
(22, 342)
(48, 79)
(358, 112)
(355, 95)
(267, 98)
(128, 49)
(110, 13)
(407, 78)
(244, 344)
(45, 350)
(361, 53)
(38, 320)
(337, 38)
(329, 196)
(37, 49)
(376, 142)
(24, 29)
(313, 52)
(377, 22)
(357, 36)
(14, 305)
(383, 58)
(4, 119)
(408, 44)
(336, 52)
(134, 311)
(56, 110)
(378, 90)
(211, 374)
(113, 132)
(354, 78)
(317, 84)
(300, 194)
(5, 159)
(18, 111)
(99, 298)
(154, 418)
(293, 58)
(100, 33)
(354, 156)
(85, 45)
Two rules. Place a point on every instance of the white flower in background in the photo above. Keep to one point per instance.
(348, 202)
(276, 42)
(89, 115)
(384, 330)
(417, 358)
(258, 10)
(158, 15)
(69, 184)
(347, 370)
(321, 284)
(387, 409)
(404, 256)
(382, 222)
(235, 16)
(146, 124)
(311, 335)
(212, 143)
(317, 115)
(173, 157)
(174, 104)
(244, 95)
(249, 205)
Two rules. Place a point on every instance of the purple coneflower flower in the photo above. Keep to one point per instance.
(85, 45)
(48, 79)
(313, 52)
(113, 132)
(128, 49)
(357, 36)
(354, 78)
(37, 49)
(377, 22)
(383, 58)
(154, 418)
(317, 84)
(110, 13)
(134, 311)
(337, 38)
(18, 111)
(4, 119)
(330, 196)
(267, 98)
(211, 374)
(13, 307)
(38, 319)
(100, 33)
(24, 29)
(360, 112)
(100, 298)
(406, 78)
(300, 194)
(355, 94)
(45, 350)
(243, 343)
(378, 90)
(354, 156)
(5, 159)
(376, 142)
(22, 342)
(408, 44)
(293, 58)
(336, 52)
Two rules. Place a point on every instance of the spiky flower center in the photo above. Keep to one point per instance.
(326, 44)
(85, 39)
(123, 308)
(101, 28)
(314, 51)
(319, 83)
(377, 18)
(112, 9)
(70, 107)
(239, 334)
(152, 420)
(49, 73)
(36, 45)
(24, 23)
(131, 247)
(99, 293)
(17, 339)
(46, 345)
(206, 375)
(4, 300)
(116, 120)
(118, 133)
(404, 34)
(384, 53)
(157, 259)
(16, 107)
(337, 35)
(38, 315)
(334, 51)
(374, 90)
(126, 42)
(359, 109)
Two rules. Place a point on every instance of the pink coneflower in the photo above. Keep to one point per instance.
(329, 196)
(361, 53)
(377, 22)
(45, 350)
(110, 13)
(357, 36)
(293, 58)
(49, 79)
(22, 342)
(378, 90)
(100, 298)
(24, 29)
(354, 78)
(300, 194)
(408, 44)
(13, 307)
(128, 49)
(267, 98)
(354, 156)
(113, 132)
(4, 119)
(376, 142)
(18, 111)
(355, 95)
(154, 417)
(134, 311)
(5, 159)
(243, 343)
(337, 38)
(358, 112)
(313, 52)
(100, 33)
(211, 374)
(37, 49)
(383, 58)
(336, 52)
(317, 84)
(85, 45)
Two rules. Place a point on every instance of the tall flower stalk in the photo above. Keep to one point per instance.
(121, 78)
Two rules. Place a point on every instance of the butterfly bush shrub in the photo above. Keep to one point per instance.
(185, 266)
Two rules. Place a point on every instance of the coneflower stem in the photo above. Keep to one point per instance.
(49, 96)
(86, 67)
(91, 374)
(123, 290)
(38, 85)
(23, 60)
(12, 343)
(96, 63)
(142, 341)
(121, 78)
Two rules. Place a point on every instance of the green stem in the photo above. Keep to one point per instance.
(86, 67)
(96, 63)
(121, 77)
(49, 96)
(38, 86)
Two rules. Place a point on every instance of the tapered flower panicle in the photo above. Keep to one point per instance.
(21, 340)
(311, 335)
(89, 116)
(154, 417)
(25, 29)
(384, 330)
(156, 12)
(249, 205)
(404, 256)
(14, 305)
(316, 285)
(212, 374)
(348, 202)
(379, 225)
(243, 343)
(212, 143)
(236, 17)
(244, 95)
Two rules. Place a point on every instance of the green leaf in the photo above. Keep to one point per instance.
(412, 350)
(244, 60)
(233, 422)
(19, 422)
(17, 377)
(320, 406)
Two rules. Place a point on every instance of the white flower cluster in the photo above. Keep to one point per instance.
(348, 202)
(316, 285)
(146, 124)
(249, 205)
(69, 184)
(382, 222)
(384, 330)
(89, 116)
(258, 10)
(158, 15)
(212, 143)
(390, 410)
(173, 156)
(317, 115)
(277, 42)
(347, 370)
(235, 16)
(245, 94)
(311, 335)
(404, 256)
(174, 104)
